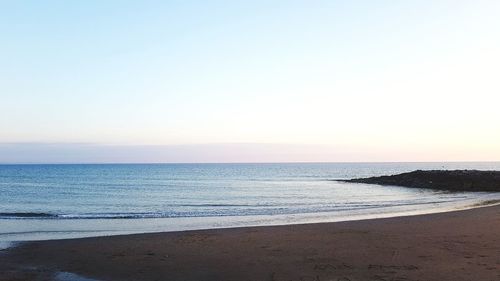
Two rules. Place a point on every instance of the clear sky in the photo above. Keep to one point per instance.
(239, 81)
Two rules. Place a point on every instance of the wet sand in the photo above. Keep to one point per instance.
(461, 245)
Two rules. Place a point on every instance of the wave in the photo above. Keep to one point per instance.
(223, 210)
(27, 215)
(81, 216)
(280, 210)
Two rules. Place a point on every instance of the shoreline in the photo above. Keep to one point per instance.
(164, 226)
(440, 246)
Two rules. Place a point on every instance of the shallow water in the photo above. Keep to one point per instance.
(65, 201)
(68, 276)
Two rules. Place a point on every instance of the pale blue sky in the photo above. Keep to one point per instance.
(349, 80)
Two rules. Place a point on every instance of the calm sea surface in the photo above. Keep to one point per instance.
(60, 201)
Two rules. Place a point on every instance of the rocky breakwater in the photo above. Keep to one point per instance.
(452, 180)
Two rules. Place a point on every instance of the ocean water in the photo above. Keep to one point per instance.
(65, 201)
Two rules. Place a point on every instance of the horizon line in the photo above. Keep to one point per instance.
(196, 163)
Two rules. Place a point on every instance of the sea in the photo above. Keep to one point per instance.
(41, 202)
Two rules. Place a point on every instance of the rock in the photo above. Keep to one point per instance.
(452, 180)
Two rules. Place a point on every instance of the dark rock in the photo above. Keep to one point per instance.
(453, 180)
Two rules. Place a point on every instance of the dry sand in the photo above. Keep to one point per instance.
(461, 245)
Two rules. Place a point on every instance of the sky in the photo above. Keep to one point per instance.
(249, 81)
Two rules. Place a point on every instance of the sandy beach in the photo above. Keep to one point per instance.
(460, 245)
